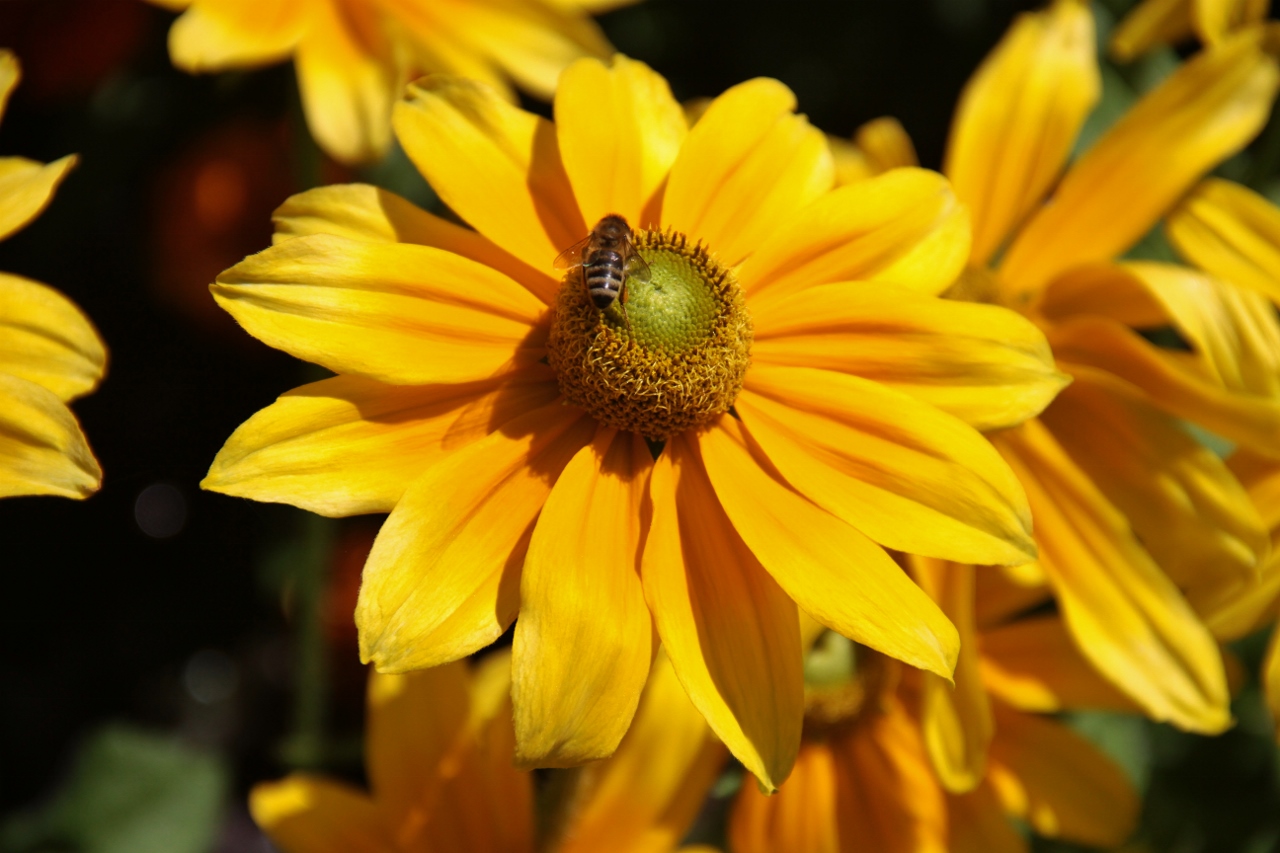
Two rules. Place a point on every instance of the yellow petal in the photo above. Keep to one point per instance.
(620, 130)
(364, 212)
(26, 188)
(801, 816)
(438, 44)
(397, 313)
(732, 634)
(42, 450)
(644, 798)
(10, 74)
(1098, 290)
(1151, 23)
(1060, 783)
(1005, 592)
(46, 339)
(1033, 665)
(905, 474)
(496, 166)
(348, 445)
(1203, 113)
(904, 227)
(1271, 675)
(886, 144)
(583, 643)
(306, 814)
(216, 34)
(413, 725)
(986, 365)
(834, 573)
(747, 167)
(1215, 19)
(1018, 118)
(976, 823)
(443, 579)
(1124, 613)
(1230, 232)
(956, 719)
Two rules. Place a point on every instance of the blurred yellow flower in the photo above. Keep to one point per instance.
(354, 57)
(49, 351)
(1130, 510)
(1152, 23)
(438, 754)
(506, 437)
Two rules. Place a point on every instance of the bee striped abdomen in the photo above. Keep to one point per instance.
(604, 274)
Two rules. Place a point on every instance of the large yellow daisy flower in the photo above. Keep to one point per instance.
(49, 351)
(353, 57)
(438, 749)
(1130, 510)
(786, 352)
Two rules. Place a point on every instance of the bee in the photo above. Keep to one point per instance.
(608, 258)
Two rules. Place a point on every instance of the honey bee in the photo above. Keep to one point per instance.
(608, 258)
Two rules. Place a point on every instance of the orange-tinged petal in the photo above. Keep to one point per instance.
(644, 798)
(801, 817)
(398, 313)
(350, 445)
(986, 365)
(42, 450)
(955, 719)
(1018, 118)
(904, 473)
(837, 575)
(1231, 232)
(746, 169)
(1204, 112)
(216, 34)
(583, 643)
(904, 227)
(1125, 614)
(443, 578)
(497, 166)
(976, 823)
(308, 814)
(1149, 24)
(26, 188)
(620, 130)
(46, 339)
(1005, 592)
(732, 634)
(1033, 665)
(364, 212)
(1060, 783)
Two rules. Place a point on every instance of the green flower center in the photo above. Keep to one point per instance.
(668, 355)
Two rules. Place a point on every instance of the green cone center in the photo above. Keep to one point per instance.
(668, 355)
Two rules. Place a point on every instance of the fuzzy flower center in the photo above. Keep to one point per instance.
(668, 355)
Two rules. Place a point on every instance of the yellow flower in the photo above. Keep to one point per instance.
(1163, 22)
(353, 57)
(438, 752)
(864, 779)
(49, 352)
(1129, 509)
(507, 439)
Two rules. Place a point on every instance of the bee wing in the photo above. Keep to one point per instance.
(637, 267)
(572, 256)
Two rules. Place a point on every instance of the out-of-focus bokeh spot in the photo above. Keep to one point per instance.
(160, 511)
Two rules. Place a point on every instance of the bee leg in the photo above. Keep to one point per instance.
(622, 303)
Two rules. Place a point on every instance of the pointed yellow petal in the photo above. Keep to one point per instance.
(644, 798)
(1018, 118)
(1060, 783)
(42, 450)
(904, 473)
(443, 579)
(1151, 23)
(732, 634)
(348, 445)
(976, 823)
(834, 573)
(363, 212)
(305, 814)
(986, 365)
(620, 130)
(496, 165)
(904, 227)
(396, 312)
(46, 339)
(26, 188)
(583, 643)
(1125, 614)
(886, 144)
(747, 167)
(955, 718)
(211, 36)
(1230, 232)
(801, 816)
(1203, 113)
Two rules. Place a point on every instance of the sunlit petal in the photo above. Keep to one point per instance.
(26, 188)
(1231, 232)
(305, 814)
(211, 36)
(42, 450)
(46, 339)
